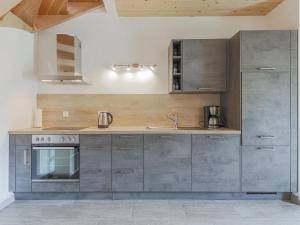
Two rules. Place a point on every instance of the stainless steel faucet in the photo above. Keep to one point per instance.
(175, 118)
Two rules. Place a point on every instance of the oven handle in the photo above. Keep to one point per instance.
(53, 148)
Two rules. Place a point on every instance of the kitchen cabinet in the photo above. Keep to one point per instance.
(200, 67)
(23, 168)
(95, 163)
(266, 50)
(167, 163)
(266, 169)
(266, 108)
(263, 73)
(127, 163)
(215, 163)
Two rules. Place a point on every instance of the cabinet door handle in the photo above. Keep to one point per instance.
(126, 149)
(266, 137)
(126, 136)
(267, 68)
(165, 137)
(124, 171)
(216, 137)
(205, 89)
(94, 148)
(266, 148)
(26, 160)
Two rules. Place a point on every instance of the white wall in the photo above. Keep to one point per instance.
(18, 89)
(108, 39)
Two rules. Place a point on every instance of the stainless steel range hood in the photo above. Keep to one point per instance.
(68, 62)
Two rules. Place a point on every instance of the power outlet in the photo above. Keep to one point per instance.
(66, 114)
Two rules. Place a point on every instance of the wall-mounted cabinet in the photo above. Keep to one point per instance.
(198, 65)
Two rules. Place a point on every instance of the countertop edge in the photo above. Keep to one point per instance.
(34, 131)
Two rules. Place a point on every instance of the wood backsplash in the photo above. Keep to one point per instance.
(128, 110)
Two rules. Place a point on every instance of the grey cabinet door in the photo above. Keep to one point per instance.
(266, 169)
(204, 65)
(216, 163)
(266, 49)
(266, 108)
(127, 163)
(167, 163)
(23, 168)
(95, 163)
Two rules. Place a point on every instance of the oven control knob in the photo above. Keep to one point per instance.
(42, 139)
(49, 139)
(37, 139)
(63, 139)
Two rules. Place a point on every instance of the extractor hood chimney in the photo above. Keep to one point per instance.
(68, 62)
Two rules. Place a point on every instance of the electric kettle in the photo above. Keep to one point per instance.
(104, 119)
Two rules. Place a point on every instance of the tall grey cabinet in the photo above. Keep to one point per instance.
(262, 102)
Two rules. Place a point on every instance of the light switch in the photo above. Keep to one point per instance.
(66, 114)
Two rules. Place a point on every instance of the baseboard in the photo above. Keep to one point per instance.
(7, 201)
(296, 198)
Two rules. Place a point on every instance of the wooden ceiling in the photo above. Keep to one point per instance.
(154, 8)
(41, 14)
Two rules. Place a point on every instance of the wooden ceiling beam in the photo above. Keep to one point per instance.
(54, 7)
(165, 8)
(75, 9)
(27, 10)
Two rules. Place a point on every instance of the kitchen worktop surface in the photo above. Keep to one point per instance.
(127, 130)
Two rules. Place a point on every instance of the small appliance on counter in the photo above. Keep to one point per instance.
(105, 119)
(212, 117)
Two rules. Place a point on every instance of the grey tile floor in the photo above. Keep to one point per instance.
(146, 212)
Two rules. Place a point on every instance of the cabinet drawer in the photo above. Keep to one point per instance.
(55, 187)
(266, 169)
(95, 140)
(216, 163)
(121, 141)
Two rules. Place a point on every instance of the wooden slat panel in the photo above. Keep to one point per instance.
(195, 7)
(128, 110)
(65, 40)
(54, 7)
(65, 55)
(75, 9)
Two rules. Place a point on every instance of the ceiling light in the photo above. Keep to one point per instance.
(134, 66)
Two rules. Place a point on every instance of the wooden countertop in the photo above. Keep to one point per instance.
(126, 130)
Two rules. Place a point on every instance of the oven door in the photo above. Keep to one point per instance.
(55, 164)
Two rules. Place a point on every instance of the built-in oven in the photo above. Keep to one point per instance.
(55, 158)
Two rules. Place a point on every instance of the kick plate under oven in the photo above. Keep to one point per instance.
(55, 158)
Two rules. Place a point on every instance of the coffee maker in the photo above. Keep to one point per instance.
(212, 117)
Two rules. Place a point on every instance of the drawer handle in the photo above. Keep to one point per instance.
(124, 136)
(95, 148)
(126, 149)
(216, 137)
(266, 137)
(267, 68)
(26, 160)
(165, 137)
(124, 171)
(203, 89)
(265, 148)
